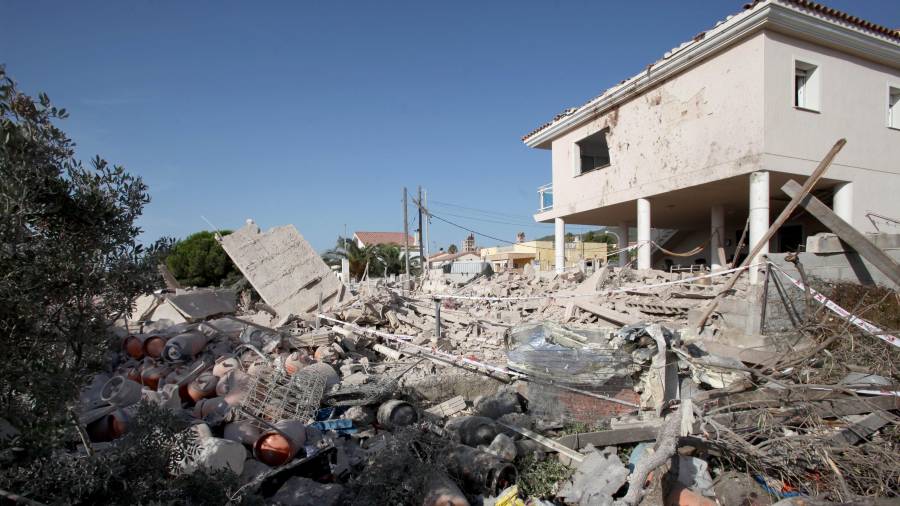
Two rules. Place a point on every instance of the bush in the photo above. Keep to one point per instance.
(141, 468)
(200, 260)
(69, 261)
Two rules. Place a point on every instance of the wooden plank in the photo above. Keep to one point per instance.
(547, 442)
(609, 315)
(779, 221)
(829, 408)
(613, 437)
(448, 408)
(846, 232)
(862, 429)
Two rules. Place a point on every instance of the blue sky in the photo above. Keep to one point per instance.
(318, 113)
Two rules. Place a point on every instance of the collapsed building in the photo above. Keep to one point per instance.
(696, 387)
(320, 393)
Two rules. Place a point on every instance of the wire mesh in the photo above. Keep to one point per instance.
(273, 395)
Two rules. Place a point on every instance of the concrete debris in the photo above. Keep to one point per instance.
(597, 478)
(283, 268)
(304, 404)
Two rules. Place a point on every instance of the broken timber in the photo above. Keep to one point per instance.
(846, 232)
(549, 443)
(764, 240)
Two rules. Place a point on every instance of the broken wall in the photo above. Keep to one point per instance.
(283, 268)
(703, 125)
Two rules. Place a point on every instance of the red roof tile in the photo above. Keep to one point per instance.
(371, 238)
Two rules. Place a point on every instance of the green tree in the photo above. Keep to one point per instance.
(358, 257)
(199, 260)
(452, 249)
(69, 258)
(70, 263)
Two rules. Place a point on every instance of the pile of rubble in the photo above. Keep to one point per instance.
(449, 393)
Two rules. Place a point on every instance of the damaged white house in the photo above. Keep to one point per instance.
(700, 142)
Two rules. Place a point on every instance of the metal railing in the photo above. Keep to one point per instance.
(545, 194)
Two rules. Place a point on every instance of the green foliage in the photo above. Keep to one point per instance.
(199, 260)
(540, 478)
(452, 249)
(141, 468)
(69, 261)
(380, 259)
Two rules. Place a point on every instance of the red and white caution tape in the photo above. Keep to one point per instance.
(843, 313)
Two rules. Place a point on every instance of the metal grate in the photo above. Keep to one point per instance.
(273, 395)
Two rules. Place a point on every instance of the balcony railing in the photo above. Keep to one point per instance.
(545, 194)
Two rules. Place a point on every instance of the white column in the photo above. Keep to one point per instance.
(843, 201)
(559, 244)
(759, 217)
(643, 234)
(716, 237)
(623, 238)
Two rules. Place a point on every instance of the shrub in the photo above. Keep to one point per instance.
(199, 260)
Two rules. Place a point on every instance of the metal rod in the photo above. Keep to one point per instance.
(437, 318)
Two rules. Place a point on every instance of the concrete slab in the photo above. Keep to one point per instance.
(283, 268)
(201, 304)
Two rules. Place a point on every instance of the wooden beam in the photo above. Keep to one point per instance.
(846, 232)
(546, 442)
(785, 214)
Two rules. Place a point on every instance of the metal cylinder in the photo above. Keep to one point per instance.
(153, 346)
(242, 431)
(134, 346)
(483, 472)
(152, 376)
(224, 365)
(442, 491)
(121, 391)
(325, 371)
(202, 387)
(280, 445)
(472, 430)
(396, 413)
(185, 346)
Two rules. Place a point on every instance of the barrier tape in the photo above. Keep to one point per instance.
(456, 359)
(843, 313)
(561, 295)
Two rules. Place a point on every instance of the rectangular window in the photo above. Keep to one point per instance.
(806, 86)
(893, 107)
(594, 152)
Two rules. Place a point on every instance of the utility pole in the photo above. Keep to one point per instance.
(421, 244)
(427, 221)
(405, 235)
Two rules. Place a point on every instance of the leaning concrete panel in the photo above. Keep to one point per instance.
(286, 271)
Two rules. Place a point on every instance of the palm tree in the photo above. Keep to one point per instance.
(358, 257)
(390, 259)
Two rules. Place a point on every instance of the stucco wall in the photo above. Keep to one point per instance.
(700, 126)
(853, 105)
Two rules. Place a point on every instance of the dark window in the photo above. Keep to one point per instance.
(594, 151)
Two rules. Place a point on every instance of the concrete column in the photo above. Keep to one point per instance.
(759, 217)
(559, 244)
(623, 237)
(716, 237)
(843, 201)
(643, 234)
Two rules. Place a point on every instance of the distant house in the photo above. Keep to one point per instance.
(364, 239)
(440, 259)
